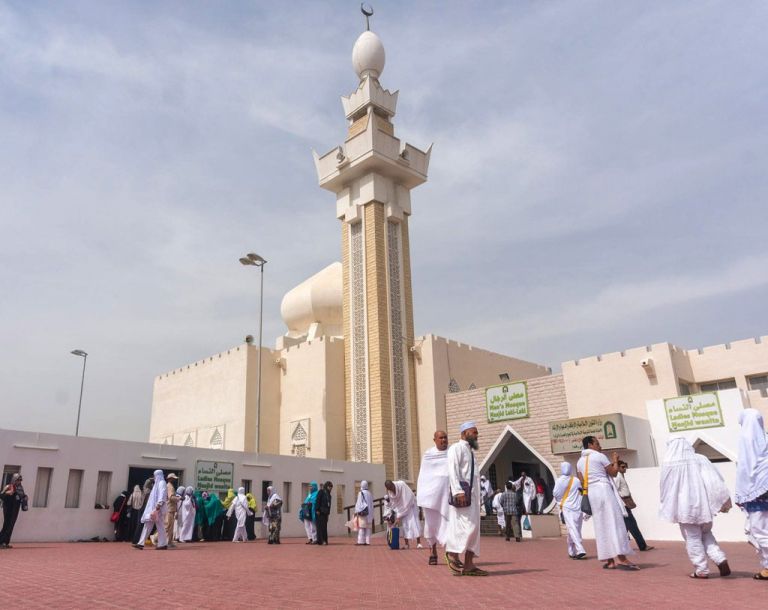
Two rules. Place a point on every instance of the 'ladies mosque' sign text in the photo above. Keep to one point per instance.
(507, 401)
(215, 476)
(693, 412)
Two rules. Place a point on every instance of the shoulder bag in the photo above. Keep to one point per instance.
(586, 507)
(465, 487)
(364, 512)
(565, 497)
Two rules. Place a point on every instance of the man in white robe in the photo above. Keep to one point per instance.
(529, 490)
(752, 484)
(692, 492)
(464, 511)
(497, 506)
(486, 493)
(608, 510)
(567, 493)
(154, 514)
(403, 504)
(433, 492)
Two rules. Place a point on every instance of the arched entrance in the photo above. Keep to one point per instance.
(510, 455)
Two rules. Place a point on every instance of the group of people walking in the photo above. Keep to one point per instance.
(165, 514)
(692, 494)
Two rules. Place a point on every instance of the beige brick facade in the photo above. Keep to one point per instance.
(546, 402)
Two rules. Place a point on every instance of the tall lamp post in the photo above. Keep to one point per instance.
(255, 260)
(84, 356)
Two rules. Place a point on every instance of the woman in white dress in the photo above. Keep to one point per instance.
(364, 514)
(188, 512)
(240, 507)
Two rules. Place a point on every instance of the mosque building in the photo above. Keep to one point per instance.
(349, 380)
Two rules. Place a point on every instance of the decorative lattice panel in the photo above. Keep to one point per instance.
(359, 369)
(398, 359)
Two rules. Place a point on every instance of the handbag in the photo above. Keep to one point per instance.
(465, 487)
(25, 503)
(364, 512)
(526, 524)
(586, 507)
(115, 516)
(629, 502)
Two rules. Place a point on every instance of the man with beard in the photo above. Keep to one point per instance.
(433, 492)
(464, 511)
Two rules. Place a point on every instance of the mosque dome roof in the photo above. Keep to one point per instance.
(317, 299)
(368, 55)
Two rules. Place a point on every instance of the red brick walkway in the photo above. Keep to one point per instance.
(531, 574)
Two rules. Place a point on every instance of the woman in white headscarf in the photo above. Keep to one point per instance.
(154, 514)
(273, 515)
(364, 514)
(240, 507)
(181, 493)
(567, 493)
(752, 484)
(188, 513)
(692, 492)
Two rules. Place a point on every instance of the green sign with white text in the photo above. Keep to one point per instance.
(693, 412)
(507, 401)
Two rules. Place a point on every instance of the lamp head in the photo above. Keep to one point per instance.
(78, 352)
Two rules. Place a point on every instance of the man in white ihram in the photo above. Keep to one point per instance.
(529, 490)
(464, 511)
(433, 492)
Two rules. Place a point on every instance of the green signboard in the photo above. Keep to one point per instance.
(693, 412)
(215, 476)
(507, 401)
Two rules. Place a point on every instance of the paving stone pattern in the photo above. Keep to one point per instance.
(531, 574)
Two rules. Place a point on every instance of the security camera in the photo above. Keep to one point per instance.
(647, 363)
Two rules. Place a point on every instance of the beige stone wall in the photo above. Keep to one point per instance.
(216, 392)
(546, 402)
(312, 386)
(617, 383)
(439, 360)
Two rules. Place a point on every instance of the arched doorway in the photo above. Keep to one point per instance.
(510, 455)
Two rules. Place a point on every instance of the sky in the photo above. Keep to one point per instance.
(598, 180)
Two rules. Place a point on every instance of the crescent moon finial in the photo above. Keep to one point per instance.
(368, 14)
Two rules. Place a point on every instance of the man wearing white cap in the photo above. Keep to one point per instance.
(433, 492)
(464, 511)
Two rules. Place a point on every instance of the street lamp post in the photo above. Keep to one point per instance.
(84, 356)
(255, 260)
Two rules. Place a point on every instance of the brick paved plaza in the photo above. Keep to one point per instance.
(531, 574)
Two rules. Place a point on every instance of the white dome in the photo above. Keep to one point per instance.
(317, 299)
(368, 55)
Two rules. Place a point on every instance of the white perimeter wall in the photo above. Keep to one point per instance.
(31, 450)
(644, 484)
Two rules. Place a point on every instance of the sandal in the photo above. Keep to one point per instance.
(724, 568)
(452, 564)
(629, 567)
(759, 576)
(609, 566)
(433, 560)
(474, 572)
(701, 576)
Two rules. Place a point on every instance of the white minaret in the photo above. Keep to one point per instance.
(372, 174)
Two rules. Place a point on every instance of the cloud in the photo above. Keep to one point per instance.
(591, 163)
